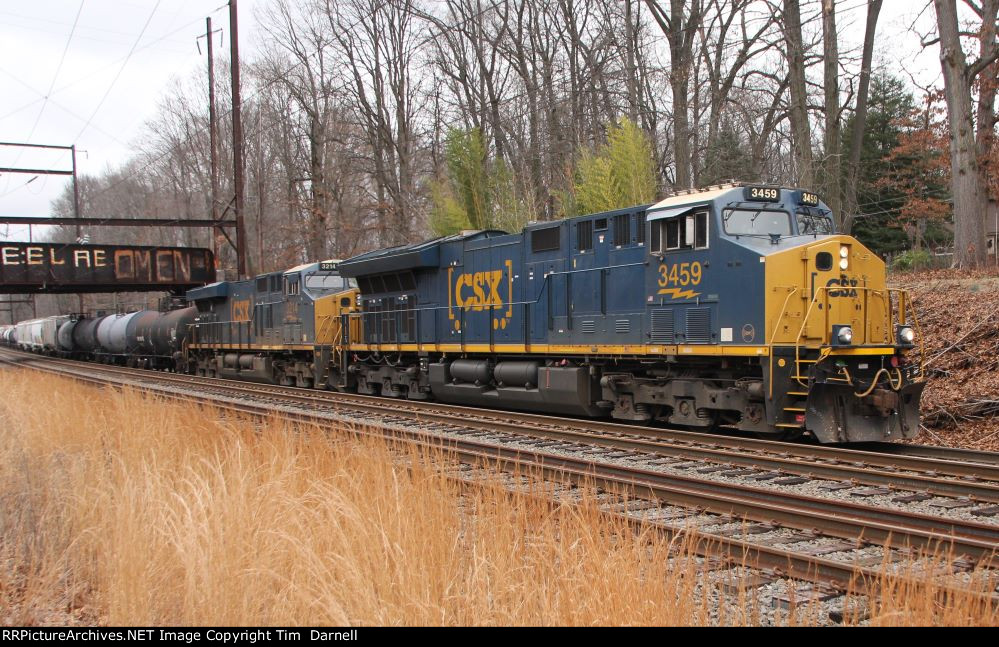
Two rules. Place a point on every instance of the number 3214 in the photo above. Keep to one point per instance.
(679, 274)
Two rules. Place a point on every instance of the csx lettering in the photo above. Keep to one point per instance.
(478, 290)
(680, 274)
(240, 310)
(846, 282)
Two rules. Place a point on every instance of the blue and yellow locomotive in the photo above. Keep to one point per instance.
(736, 307)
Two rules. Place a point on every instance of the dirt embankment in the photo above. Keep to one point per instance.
(959, 320)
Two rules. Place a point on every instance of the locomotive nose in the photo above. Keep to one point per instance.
(823, 286)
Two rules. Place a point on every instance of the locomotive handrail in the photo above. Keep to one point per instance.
(326, 321)
(773, 338)
(889, 312)
(525, 305)
(905, 308)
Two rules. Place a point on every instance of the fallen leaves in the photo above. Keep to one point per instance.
(958, 313)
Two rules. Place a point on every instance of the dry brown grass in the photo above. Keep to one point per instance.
(117, 508)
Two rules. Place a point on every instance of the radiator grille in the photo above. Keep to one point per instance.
(622, 326)
(588, 327)
(662, 326)
(699, 326)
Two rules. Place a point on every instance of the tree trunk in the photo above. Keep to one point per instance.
(830, 56)
(986, 121)
(969, 198)
(316, 244)
(798, 114)
(860, 118)
(680, 32)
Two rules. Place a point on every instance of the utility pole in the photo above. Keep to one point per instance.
(237, 143)
(213, 137)
(76, 214)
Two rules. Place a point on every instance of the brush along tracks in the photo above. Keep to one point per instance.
(822, 514)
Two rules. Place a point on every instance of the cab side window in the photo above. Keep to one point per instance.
(688, 231)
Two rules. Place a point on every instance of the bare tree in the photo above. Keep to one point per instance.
(378, 41)
(801, 132)
(970, 195)
(680, 25)
(860, 118)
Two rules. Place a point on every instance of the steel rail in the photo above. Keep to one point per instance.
(841, 464)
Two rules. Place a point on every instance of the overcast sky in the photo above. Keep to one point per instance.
(91, 72)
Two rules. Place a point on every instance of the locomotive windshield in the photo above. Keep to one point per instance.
(756, 222)
(330, 282)
(810, 223)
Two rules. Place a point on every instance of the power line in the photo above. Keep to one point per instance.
(120, 69)
(81, 79)
(55, 76)
(45, 99)
(61, 107)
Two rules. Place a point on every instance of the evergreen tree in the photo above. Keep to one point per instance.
(726, 158)
(595, 190)
(878, 206)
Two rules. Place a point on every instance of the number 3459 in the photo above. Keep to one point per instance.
(679, 274)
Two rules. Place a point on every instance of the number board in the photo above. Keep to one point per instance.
(762, 194)
(327, 266)
(809, 199)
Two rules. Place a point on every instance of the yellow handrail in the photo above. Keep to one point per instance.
(773, 337)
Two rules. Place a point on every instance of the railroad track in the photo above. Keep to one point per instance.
(920, 472)
(741, 495)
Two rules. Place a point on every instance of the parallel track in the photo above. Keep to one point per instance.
(472, 435)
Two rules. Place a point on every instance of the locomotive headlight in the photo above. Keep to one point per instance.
(843, 335)
(905, 335)
(844, 257)
(844, 263)
(844, 251)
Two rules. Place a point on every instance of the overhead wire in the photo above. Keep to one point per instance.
(121, 69)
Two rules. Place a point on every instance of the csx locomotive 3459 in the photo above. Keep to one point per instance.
(734, 307)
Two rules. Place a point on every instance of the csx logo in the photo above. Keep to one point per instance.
(239, 310)
(478, 291)
(844, 282)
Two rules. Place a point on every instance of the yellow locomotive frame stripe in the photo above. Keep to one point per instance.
(862, 350)
(548, 349)
(575, 349)
(253, 347)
